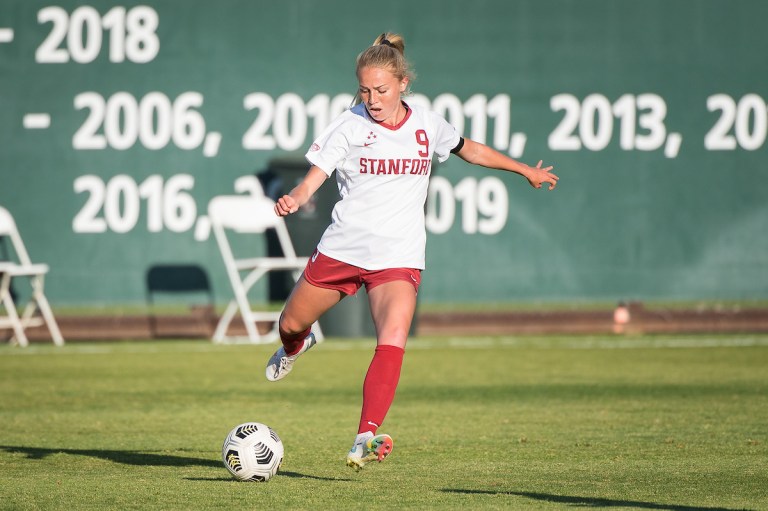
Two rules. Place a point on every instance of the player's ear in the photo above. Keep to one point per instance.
(403, 84)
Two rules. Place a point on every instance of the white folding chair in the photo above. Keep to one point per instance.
(22, 267)
(250, 214)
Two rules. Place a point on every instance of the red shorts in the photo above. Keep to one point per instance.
(323, 271)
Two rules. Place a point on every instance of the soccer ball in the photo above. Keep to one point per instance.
(252, 452)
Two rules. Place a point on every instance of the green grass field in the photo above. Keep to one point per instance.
(665, 423)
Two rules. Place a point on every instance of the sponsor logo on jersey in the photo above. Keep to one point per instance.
(314, 147)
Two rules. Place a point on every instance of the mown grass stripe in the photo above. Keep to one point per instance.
(501, 342)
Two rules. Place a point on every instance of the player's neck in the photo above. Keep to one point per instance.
(400, 114)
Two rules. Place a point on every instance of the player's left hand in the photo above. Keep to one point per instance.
(540, 175)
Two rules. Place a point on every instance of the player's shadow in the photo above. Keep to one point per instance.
(145, 459)
(125, 457)
(590, 501)
(281, 473)
(298, 475)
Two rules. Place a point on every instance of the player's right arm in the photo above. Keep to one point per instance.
(299, 196)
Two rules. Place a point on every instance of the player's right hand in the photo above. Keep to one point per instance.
(286, 205)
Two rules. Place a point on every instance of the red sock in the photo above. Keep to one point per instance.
(293, 342)
(379, 386)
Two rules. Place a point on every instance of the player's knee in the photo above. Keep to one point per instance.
(290, 326)
(396, 336)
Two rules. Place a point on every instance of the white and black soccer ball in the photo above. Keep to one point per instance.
(252, 452)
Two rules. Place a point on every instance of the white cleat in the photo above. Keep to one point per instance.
(369, 447)
(280, 364)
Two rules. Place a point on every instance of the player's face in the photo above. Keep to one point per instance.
(380, 92)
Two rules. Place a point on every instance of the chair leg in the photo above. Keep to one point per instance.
(250, 326)
(29, 310)
(319, 337)
(50, 321)
(18, 330)
(221, 328)
(241, 297)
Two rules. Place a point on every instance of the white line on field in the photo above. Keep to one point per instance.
(580, 343)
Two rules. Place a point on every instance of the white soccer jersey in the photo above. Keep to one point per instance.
(383, 176)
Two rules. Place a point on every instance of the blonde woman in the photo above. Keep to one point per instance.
(381, 150)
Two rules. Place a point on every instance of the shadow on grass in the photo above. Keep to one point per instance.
(298, 475)
(590, 501)
(146, 459)
(282, 473)
(125, 457)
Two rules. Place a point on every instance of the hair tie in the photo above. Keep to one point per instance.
(386, 42)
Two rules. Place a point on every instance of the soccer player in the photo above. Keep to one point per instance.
(381, 150)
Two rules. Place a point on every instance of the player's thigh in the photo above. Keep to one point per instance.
(306, 304)
(393, 305)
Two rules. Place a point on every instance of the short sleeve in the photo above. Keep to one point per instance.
(331, 147)
(446, 137)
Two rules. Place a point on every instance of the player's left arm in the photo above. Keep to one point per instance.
(480, 154)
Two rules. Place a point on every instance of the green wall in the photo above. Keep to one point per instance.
(120, 121)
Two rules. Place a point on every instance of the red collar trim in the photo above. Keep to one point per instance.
(396, 127)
